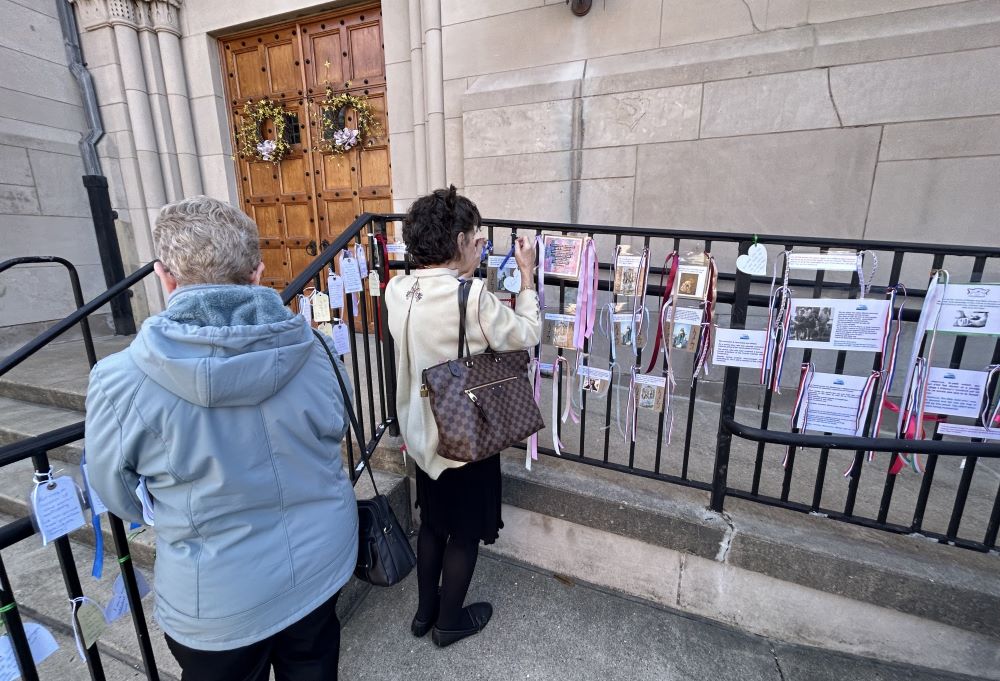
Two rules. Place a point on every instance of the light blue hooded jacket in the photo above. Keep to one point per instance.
(227, 406)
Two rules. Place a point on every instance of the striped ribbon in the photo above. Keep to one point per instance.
(863, 402)
(890, 347)
(778, 314)
(865, 283)
(670, 269)
(808, 370)
(704, 349)
(990, 418)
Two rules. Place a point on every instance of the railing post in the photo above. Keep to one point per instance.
(110, 250)
(388, 348)
(730, 389)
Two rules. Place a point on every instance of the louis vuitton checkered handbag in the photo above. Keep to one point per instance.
(482, 403)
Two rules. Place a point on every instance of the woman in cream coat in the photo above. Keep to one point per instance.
(459, 503)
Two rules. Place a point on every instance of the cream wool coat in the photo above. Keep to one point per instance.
(430, 336)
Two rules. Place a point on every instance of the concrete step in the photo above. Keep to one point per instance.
(547, 626)
(799, 578)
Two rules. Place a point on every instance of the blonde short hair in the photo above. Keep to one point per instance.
(201, 240)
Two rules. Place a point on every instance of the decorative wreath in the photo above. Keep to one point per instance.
(331, 116)
(252, 142)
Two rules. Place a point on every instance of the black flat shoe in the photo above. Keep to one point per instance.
(420, 627)
(479, 613)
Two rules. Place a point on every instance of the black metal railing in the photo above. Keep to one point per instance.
(730, 434)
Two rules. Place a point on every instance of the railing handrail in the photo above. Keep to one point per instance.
(326, 256)
(850, 442)
(695, 235)
(61, 327)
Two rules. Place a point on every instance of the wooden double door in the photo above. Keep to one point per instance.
(311, 196)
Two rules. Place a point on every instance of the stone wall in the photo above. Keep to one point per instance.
(874, 120)
(43, 205)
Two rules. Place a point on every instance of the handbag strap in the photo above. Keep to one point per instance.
(463, 302)
(349, 408)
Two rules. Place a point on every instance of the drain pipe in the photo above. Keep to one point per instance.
(94, 181)
(74, 56)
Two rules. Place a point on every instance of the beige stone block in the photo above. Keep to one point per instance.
(37, 76)
(60, 187)
(750, 106)
(18, 200)
(454, 153)
(543, 201)
(547, 167)
(14, 166)
(606, 202)
(99, 48)
(941, 139)
(115, 117)
(925, 199)
(607, 162)
(786, 13)
(518, 129)
(937, 86)
(834, 10)
(524, 86)
(399, 94)
(67, 237)
(811, 183)
(31, 32)
(211, 126)
(219, 178)
(459, 11)
(488, 45)
(454, 90)
(108, 84)
(396, 31)
(22, 134)
(46, 8)
(695, 21)
(20, 106)
(202, 65)
(663, 115)
(404, 172)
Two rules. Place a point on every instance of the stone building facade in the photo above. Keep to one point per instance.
(875, 119)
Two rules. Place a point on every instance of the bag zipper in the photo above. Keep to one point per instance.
(486, 385)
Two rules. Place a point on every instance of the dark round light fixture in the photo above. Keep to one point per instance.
(579, 7)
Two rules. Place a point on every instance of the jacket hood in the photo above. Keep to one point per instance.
(223, 346)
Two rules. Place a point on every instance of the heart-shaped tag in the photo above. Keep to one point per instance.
(755, 260)
(513, 282)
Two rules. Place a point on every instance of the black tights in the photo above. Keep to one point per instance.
(450, 560)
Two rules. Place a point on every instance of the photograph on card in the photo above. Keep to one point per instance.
(835, 324)
(692, 281)
(630, 276)
(507, 280)
(557, 329)
(594, 380)
(561, 256)
(629, 327)
(684, 327)
(649, 391)
(971, 309)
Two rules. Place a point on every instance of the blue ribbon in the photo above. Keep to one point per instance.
(98, 570)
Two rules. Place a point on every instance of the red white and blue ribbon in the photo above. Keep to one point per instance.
(991, 418)
(890, 348)
(863, 402)
(778, 317)
(801, 403)
(704, 349)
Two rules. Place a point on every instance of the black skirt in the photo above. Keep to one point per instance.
(464, 501)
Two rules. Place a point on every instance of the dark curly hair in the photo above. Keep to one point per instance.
(433, 222)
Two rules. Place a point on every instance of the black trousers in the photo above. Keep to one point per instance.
(306, 651)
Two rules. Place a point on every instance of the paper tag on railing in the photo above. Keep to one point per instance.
(351, 274)
(118, 605)
(341, 339)
(374, 284)
(320, 307)
(335, 288)
(89, 624)
(55, 504)
(40, 642)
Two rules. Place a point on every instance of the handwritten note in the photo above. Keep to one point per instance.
(341, 339)
(351, 274)
(89, 623)
(118, 605)
(335, 286)
(57, 509)
(40, 642)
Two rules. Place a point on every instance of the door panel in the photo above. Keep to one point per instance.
(310, 196)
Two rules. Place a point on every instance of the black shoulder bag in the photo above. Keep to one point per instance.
(385, 556)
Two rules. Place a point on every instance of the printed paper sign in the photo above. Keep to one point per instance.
(834, 324)
(833, 404)
(738, 348)
(692, 281)
(971, 309)
(837, 261)
(955, 392)
(977, 432)
(561, 256)
(649, 391)
(396, 248)
(57, 509)
(351, 275)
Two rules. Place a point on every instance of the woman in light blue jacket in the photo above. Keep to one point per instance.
(225, 409)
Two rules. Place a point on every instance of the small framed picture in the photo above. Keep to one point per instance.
(692, 281)
(558, 329)
(507, 280)
(594, 380)
(685, 336)
(561, 255)
(629, 329)
(629, 274)
(649, 392)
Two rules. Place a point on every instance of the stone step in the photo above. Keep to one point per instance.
(21, 420)
(799, 578)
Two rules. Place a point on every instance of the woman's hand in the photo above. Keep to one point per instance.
(524, 254)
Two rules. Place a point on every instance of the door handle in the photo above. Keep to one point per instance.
(311, 247)
(324, 244)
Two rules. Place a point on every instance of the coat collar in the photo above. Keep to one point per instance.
(434, 272)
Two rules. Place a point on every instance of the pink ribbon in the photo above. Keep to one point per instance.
(532, 453)
(586, 299)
